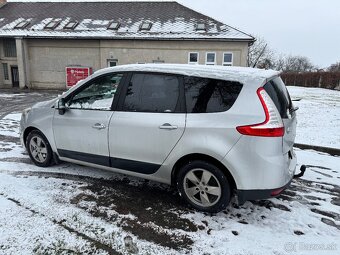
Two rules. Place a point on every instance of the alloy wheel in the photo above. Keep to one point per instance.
(202, 187)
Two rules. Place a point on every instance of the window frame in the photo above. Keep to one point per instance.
(49, 27)
(111, 27)
(201, 26)
(22, 24)
(181, 107)
(198, 58)
(88, 83)
(112, 60)
(69, 27)
(5, 71)
(9, 48)
(228, 63)
(206, 59)
(204, 77)
(143, 27)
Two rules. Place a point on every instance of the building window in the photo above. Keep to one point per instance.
(112, 62)
(113, 25)
(193, 58)
(71, 25)
(10, 49)
(145, 26)
(5, 68)
(200, 26)
(22, 24)
(52, 25)
(227, 59)
(210, 58)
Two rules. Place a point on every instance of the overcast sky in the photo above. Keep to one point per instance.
(299, 27)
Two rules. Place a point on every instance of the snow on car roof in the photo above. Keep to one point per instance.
(241, 74)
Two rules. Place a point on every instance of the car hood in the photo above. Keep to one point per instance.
(46, 104)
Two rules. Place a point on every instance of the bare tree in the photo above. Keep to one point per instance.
(296, 64)
(260, 55)
(334, 67)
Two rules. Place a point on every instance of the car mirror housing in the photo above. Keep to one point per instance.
(61, 106)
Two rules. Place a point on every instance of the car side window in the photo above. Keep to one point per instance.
(98, 95)
(205, 95)
(152, 93)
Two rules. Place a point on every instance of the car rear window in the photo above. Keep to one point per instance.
(205, 95)
(278, 92)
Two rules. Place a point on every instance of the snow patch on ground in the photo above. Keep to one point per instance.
(318, 116)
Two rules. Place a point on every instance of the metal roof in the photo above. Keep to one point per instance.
(170, 21)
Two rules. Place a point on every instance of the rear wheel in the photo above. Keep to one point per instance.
(203, 186)
(39, 149)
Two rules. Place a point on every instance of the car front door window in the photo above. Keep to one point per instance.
(98, 95)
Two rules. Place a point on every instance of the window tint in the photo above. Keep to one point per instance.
(98, 95)
(152, 93)
(209, 95)
(277, 91)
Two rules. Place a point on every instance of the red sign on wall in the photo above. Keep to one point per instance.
(75, 74)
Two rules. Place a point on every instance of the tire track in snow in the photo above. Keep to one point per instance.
(94, 243)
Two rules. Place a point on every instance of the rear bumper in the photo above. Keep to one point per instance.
(258, 194)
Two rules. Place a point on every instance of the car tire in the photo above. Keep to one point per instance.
(39, 149)
(203, 186)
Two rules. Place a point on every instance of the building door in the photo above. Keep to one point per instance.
(15, 76)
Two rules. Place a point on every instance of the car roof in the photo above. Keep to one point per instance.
(241, 74)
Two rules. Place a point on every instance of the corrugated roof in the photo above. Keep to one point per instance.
(170, 20)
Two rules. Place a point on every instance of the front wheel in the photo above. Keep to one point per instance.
(203, 186)
(39, 149)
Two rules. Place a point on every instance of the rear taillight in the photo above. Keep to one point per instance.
(272, 126)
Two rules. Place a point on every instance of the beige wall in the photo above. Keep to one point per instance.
(44, 60)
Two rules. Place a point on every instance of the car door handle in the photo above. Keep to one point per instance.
(99, 126)
(168, 126)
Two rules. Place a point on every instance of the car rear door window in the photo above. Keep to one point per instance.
(152, 93)
(205, 95)
(277, 91)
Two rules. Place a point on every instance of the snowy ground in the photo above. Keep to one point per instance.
(70, 209)
(318, 116)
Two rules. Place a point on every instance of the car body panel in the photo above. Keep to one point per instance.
(75, 131)
(139, 136)
(134, 139)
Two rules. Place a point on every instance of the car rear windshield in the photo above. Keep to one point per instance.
(205, 95)
(278, 92)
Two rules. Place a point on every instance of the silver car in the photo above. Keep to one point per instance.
(212, 132)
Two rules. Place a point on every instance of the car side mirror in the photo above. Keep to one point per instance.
(61, 106)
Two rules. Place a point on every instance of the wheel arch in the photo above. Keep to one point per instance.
(27, 131)
(197, 156)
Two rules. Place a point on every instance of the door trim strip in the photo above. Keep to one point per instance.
(124, 164)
